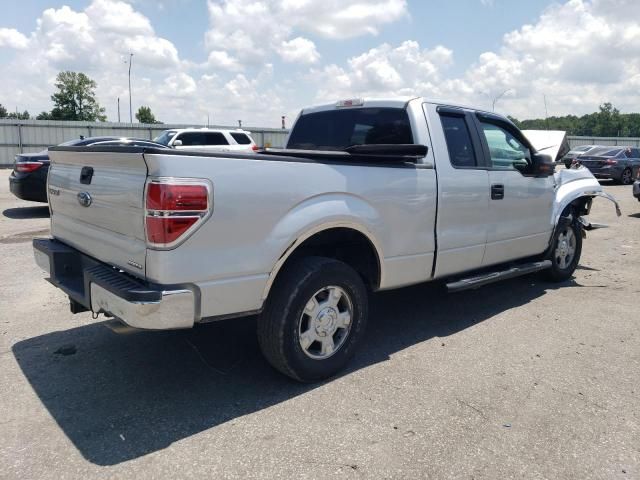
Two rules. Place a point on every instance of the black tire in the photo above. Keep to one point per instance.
(627, 177)
(279, 325)
(560, 272)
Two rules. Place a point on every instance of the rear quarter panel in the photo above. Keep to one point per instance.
(262, 206)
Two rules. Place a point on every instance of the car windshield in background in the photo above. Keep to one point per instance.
(165, 137)
(582, 149)
(605, 152)
(339, 129)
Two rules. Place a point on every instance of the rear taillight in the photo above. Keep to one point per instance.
(611, 161)
(174, 208)
(27, 167)
(255, 148)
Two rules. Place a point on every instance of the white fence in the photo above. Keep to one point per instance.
(604, 141)
(20, 136)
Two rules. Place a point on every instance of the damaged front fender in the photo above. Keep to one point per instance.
(574, 184)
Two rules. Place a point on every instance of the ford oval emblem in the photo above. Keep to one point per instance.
(84, 199)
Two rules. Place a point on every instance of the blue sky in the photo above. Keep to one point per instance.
(257, 59)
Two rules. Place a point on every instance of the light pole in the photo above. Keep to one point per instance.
(495, 100)
(118, 109)
(130, 108)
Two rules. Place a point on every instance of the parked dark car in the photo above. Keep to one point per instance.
(28, 181)
(575, 152)
(620, 164)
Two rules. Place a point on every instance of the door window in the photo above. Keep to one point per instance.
(215, 138)
(459, 144)
(241, 138)
(506, 151)
(191, 139)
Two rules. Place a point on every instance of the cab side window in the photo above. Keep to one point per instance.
(215, 138)
(459, 144)
(192, 138)
(506, 151)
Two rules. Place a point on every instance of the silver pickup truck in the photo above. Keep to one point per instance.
(368, 195)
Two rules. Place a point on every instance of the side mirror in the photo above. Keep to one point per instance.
(177, 143)
(521, 165)
(542, 165)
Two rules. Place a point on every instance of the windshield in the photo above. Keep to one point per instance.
(165, 137)
(338, 129)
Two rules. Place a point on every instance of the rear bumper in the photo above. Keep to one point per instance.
(104, 289)
(31, 187)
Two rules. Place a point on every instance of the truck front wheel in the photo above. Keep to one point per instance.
(314, 318)
(565, 252)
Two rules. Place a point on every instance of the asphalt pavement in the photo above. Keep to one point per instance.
(520, 379)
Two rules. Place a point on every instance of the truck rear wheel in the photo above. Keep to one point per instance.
(314, 318)
(565, 252)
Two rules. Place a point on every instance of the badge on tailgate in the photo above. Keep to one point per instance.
(84, 199)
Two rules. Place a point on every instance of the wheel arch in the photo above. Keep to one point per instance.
(325, 238)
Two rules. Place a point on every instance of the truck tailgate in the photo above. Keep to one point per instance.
(102, 213)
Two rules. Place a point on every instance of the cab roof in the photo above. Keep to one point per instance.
(392, 102)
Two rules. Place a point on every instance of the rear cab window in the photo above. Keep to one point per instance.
(341, 128)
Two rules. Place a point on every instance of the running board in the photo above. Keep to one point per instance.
(491, 277)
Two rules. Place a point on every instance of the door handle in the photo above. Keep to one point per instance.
(497, 191)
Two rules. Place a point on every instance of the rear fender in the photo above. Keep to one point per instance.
(319, 213)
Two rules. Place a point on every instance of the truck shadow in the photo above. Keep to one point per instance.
(119, 397)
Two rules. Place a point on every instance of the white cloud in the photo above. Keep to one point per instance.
(577, 54)
(252, 29)
(221, 59)
(385, 71)
(10, 37)
(300, 50)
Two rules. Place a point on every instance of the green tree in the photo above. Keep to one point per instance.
(144, 115)
(606, 122)
(44, 116)
(19, 116)
(75, 99)
(3, 111)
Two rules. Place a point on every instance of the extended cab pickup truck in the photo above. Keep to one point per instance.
(368, 195)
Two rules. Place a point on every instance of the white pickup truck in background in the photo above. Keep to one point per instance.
(368, 195)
